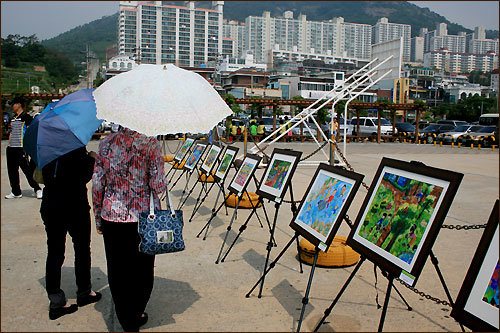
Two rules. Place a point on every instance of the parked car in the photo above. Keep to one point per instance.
(485, 136)
(305, 130)
(369, 126)
(421, 124)
(452, 122)
(452, 136)
(405, 128)
(430, 133)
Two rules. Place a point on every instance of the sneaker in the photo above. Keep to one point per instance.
(13, 196)
(39, 194)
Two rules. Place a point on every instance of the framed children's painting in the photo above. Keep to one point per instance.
(195, 156)
(225, 164)
(278, 174)
(212, 156)
(244, 174)
(325, 204)
(477, 303)
(184, 149)
(401, 216)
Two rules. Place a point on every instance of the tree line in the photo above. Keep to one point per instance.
(18, 50)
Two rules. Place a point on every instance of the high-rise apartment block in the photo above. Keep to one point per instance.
(264, 34)
(383, 31)
(235, 31)
(460, 62)
(417, 49)
(157, 33)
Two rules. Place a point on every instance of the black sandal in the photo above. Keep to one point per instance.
(89, 299)
(143, 319)
(59, 312)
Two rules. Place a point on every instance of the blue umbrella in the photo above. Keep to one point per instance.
(49, 107)
(62, 128)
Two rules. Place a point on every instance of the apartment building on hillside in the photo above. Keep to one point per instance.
(334, 38)
(158, 33)
(384, 31)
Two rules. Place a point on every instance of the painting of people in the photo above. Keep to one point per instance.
(277, 174)
(399, 214)
(323, 203)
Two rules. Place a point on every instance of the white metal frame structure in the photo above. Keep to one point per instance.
(362, 76)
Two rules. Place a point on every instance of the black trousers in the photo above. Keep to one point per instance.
(130, 272)
(17, 158)
(57, 226)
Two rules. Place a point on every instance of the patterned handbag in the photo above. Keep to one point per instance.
(161, 230)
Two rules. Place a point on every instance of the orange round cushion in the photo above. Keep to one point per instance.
(168, 158)
(338, 255)
(203, 178)
(179, 166)
(246, 201)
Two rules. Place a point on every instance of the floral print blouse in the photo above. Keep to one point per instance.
(129, 166)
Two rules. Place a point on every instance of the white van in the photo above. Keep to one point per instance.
(489, 119)
(368, 126)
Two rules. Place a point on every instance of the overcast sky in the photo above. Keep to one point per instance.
(47, 19)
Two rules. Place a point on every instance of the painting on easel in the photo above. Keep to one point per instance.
(279, 173)
(195, 156)
(225, 163)
(325, 204)
(402, 215)
(244, 174)
(211, 158)
(184, 149)
(478, 302)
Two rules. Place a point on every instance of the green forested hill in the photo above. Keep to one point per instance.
(97, 34)
(102, 33)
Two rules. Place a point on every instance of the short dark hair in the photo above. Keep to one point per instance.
(17, 99)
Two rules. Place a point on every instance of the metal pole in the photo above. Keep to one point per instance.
(87, 60)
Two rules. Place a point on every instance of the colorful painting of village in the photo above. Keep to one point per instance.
(323, 203)
(225, 163)
(243, 173)
(211, 158)
(399, 215)
(491, 294)
(277, 174)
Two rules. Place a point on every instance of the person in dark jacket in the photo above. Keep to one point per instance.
(16, 157)
(65, 209)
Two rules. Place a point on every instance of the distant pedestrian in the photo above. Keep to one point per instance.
(253, 127)
(261, 129)
(16, 156)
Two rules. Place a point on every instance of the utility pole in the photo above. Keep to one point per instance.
(87, 57)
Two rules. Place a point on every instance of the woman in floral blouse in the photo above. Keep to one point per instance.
(129, 166)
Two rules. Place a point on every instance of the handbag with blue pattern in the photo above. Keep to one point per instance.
(161, 230)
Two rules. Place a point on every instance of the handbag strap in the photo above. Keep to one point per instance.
(169, 203)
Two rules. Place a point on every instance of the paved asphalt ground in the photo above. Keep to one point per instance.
(192, 293)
